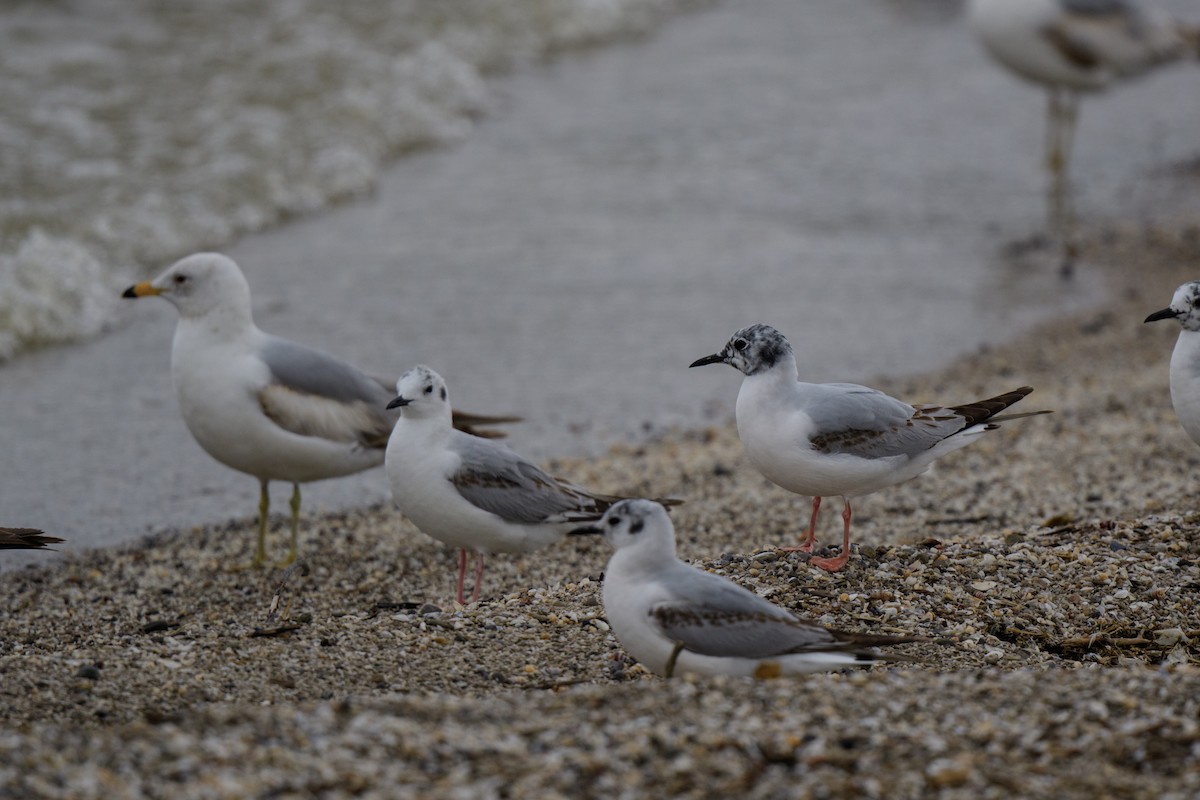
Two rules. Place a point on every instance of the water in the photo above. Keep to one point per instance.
(137, 131)
(847, 173)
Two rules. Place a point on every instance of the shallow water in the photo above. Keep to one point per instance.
(847, 173)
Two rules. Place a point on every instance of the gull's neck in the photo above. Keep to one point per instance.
(779, 380)
(230, 321)
(644, 558)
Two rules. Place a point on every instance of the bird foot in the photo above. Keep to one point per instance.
(831, 564)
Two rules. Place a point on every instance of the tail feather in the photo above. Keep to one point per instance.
(25, 539)
(478, 424)
(987, 410)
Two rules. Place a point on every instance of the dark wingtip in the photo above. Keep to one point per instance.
(25, 539)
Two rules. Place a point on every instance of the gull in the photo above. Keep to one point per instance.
(673, 617)
(820, 439)
(25, 539)
(1185, 359)
(263, 405)
(473, 493)
(1075, 46)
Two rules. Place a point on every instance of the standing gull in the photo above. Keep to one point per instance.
(820, 439)
(472, 493)
(1074, 46)
(1185, 359)
(673, 617)
(263, 405)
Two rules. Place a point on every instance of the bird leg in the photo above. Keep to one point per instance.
(1060, 133)
(836, 563)
(462, 576)
(478, 578)
(264, 507)
(295, 505)
(669, 669)
(810, 537)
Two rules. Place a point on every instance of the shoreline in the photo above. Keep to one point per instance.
(1055, 561)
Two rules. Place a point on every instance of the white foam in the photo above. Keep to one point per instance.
(150, 130)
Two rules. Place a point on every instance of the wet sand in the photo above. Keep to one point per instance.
(1055, 562)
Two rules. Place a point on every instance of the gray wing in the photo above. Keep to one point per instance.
(864, 422)
(494, 478)
(314, 394)
(715, 617)
(310, 371)
(1116, 34)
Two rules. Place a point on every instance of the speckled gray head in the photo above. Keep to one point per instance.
(751, 350)
(421, 392)
(1183, 307)
(633, 521)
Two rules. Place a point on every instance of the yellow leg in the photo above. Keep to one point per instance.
(295, 504)
(264, 507)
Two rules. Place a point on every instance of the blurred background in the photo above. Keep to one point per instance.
(557, 204)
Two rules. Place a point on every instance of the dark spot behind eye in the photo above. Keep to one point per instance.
(443, 392)
(637, 526)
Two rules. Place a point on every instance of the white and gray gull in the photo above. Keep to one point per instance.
(819, 439)
(473, 493)
(263, 405)
(1075, 46)
(674, 618)
(1185, 358)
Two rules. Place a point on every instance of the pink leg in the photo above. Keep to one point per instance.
(478, 578)
(810, 537)
(462, 574)
(835, 564)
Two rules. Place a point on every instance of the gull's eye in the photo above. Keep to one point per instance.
(428, 390)
(740, 344)
(614, 521)
(180, 278)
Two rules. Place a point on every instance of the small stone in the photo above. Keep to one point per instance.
(89, 672)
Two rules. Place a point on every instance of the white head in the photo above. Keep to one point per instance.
(641, 526)
(199, 284)
(421, 392)
(1183, 307)
(752, 350)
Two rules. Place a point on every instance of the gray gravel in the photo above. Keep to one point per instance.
(1055, 563)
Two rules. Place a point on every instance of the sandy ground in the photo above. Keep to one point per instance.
(1056, 563)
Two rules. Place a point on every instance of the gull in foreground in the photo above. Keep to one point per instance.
(1074, 46)
(1185, 359)
(472, 493)
(25, 539)
(673, 617)
(263, 405)
(820, 439)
